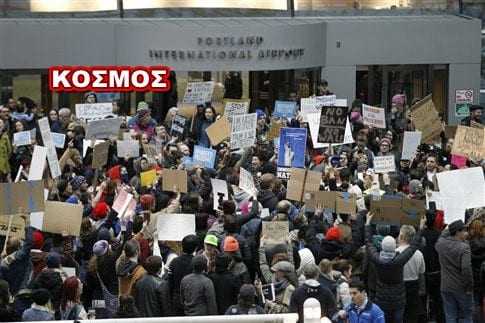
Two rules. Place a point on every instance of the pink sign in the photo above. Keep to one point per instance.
(458, 161)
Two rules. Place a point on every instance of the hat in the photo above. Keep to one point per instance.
(283, 266)
(72, 199)
(231, 244)
(306, 257)
(475, 107)
(388, 244)
(211, 239)
(100, 248)
(114, 173)
(100, 211)
(77, 181)
(53, 260)
(333, 234)
(456, 226)
(146, 201)
(247, 291)
(37, 239)
(260, 113)
(399, 99)
(142, 105)
(385, 140)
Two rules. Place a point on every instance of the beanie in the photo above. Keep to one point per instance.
(146, 201)
(231, 244)
(37, 239)
(142, 105)
(388, 244)
(100, 248)
(114, 173)
(306, 257)
(333, 234)
(77, 181)
(53, 260)
(211, 239)
(100, 211)
(399, 99)
(415, 186)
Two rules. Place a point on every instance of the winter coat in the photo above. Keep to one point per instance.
(51, 279)
(226, 286)
(197, 295)
(268, 200)
(312, 289)
(37, 313)
(370, 314)
(239, 310)
(477, 247)
(129, 273)
(331, 249)
(202, 137)
(152, 296)
(178, 269)
(5, 153)
(327, 282)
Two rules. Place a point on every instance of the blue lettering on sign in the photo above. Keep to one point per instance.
(346, 196)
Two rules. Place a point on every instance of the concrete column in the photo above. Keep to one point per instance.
(341, 81)
(461, 77)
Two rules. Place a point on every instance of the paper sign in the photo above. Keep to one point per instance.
(328, 100)
(148, 177)
(452, 210)
(104, 128)
(60, 217)
(332, 125)
(128, 148)
(373, 116)
(432, 196)
(246, 182)
(51, 150)
(27, 196)
(292, 149)
(426, 119)
(122, 202)
(21, 138)
(204, 157)
(302, 182)
(198, 92)
(243, 130)
(274, 129)
(178, 125)
(58, 139)
(219, 190)
(87, 144)
(465, 186)
(17, 228)
(384, 164)
(321, 200)
(309, 106)
(458, 161)
(411, 141)
(100, 155)
(219, 131)
(464, 96)
(37, 164)
(275, 232)
(345, 203)
(150, 151)
(284, 109)
(233, 107)
(469, 142)
(175, 227)
(174, 180)
(94, 110)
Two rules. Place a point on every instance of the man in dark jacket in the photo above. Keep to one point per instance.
(456, 273)
(312, 288)
(151, 294)
(266, 196)
(197, 291)
(226, 284)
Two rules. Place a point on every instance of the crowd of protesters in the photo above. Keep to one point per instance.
(358, 271)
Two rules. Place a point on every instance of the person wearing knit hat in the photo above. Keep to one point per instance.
(53, 260)
(114, 173)
(142, 122)
(237, 266)
(210, 251)
(333, 234)
(147, 202)
(231, 244)
(306, 258)
(100, 211)
(385, 146)
(100, 248)
(77, 182)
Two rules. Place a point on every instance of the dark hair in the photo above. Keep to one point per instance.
(230, 224)
(212, 109)
(153, 264)
(137, 224)
(190, 243)
(70, 289)
(4, 294)
(229, 207)
(199, 264)
(357, 284)
(29, 103)
(132, 247)
(41, 296)
(342, 265)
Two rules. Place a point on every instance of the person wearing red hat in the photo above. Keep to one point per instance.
(100, 211)
(332, 247)
(38, 256)
(237, 266)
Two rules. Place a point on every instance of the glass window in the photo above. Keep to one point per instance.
(72, 5)
(244, 4)
(369, 4)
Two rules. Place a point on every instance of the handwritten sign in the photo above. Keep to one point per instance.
(17, 228)
(411, 141)
(243, 130)
(105, 128)
(464, 186)
(198, 92)
(62, 217)
(219, 190)
(37, 164)
(373, 116)
(219, 131)
(45, 132)
(397, 210)
(332, 124)
(205, 157)
(284, 109)
(27, 196)
(100, 154)
(58, 139)
(128, 148)
(174, 180)
(22, 138)
(122, 202)
(89, 111)
(275, 232)
(426, 119)
(234, 107)
(301, 182)
(384, 164)
(175, 227)
(178, 125)
(469, 142)
(246, 182)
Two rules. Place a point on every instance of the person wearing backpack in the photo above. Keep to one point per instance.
(71, 307)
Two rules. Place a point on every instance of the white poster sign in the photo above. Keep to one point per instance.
(104, 128)
(45, 132)
(374, 117)
(90, 111)
(175, 227)
(235, 107)
(243, 130)
(22, 138)
(58, 139)
(411, 141)
(37, 163)
(246, 182)
(199, 92)
(465, 186)
(384, 164)
(219, 189)
(128, 148)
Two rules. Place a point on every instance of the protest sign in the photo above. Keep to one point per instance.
(373, 116)
(426, 119)
(301, 182)
(205, 157)
(321, 200)
(26, 196)
(291, 152)
(397, 210)
(469, 142)
(51, 150)
(246, 182)
(219, 131)
(62, 217)
(178, 125)
(432, 196)
(90, 111)
(274, 129)
(100, 155)
(243, 130)
(21, 138)
(37, 164)
(122, 202)
(174, 180)
(59, 139)
(148, 178)
(384, 164)
(87, 144)
(458, 161)
(308, 106)
(104, 128)
(413, 210)
(327, 100)
(313, 123)
(465, 186)
(233, 107)
(275, 232)
(411, 141)
(333, 121)
(198, 92)
(128, 148)
(186, 110)
(268, 292)
(17, 227)
(345, 203)
(452, 210)
(175, 227)
(284, 109)
(219, 191)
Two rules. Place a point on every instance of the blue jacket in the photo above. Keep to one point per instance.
(371, 314)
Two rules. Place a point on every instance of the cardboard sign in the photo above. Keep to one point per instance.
(25, 196)
(464, 186)
(426, 119)
(198, 92)
(59, 139)
(151, 151)
(37, 164)
(469, 142)
(373, 116)
(17, 228)
(284, 109)
(243, 130)
(321, 200)
(396, 210)
(333, 121)
(175, 227)
(219, 131)
(21, 138)
(384, 164)
(234, 107)
(186, 110)
(291, 153)
(246, 182)
(128, 148)
(174, 180)
(148, 178)
(274, 129)
(60, 217)
(89, 111)
(178, 125)
(275, 232)
(45, 132)
(345, 203)
(204, 157)
(102, 129)
(411, 141)
(219, 189)
(302, 182)
(100, 154)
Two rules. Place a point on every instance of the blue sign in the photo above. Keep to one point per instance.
(292, 147)
(284, 109)
(205, 157)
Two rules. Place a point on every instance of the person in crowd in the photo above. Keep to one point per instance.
(476, 237)
(208, 118)
(127, 268)
(476, 112)
(41, 307)
(127, 308)
(71, 307)
(7, 311)
(142, 122)
(5, 152)
(245, 302)
(361, 309)
(226, 284)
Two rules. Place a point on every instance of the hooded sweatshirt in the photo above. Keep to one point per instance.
(311, 288)
(128, 272)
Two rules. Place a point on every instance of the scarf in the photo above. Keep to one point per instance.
(387, 256)
(279, 287)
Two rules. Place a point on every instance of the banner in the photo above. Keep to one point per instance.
(384, 164)
(100, 154)
(174, 180)
(198, 92)
(62, 217)
(243, 130)
(219, 131)
(373, 116)
(246, 182)
(59, 139)
(23, 197)
(275, 232)
(333, 121)
(291, 152)
(234, 107)
(411, 141)
(128, 148)
(426, 119)
(178, 125)
(45, 132)
(284, 109)
(21, 138)
(175, 227)
(90, 111)
(469, 142)
(105, 128)
(219, 191)
(205, 157)
(37, 164)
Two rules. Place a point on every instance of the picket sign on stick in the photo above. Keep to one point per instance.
(9, 228)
